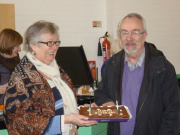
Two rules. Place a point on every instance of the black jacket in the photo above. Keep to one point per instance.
(157, 108)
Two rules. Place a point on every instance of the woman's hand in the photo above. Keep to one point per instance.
(79, 120)
(3, 88)
(108, 104)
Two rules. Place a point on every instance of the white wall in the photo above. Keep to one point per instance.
(163, 23)
(74, 17)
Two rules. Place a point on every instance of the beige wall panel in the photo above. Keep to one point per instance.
(7, 16)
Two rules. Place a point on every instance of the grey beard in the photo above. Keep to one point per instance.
(131, 53)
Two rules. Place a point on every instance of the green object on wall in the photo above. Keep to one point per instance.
(178, 76)
(3, 132)
(99, 129)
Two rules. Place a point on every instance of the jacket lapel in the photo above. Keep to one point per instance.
(118, 74)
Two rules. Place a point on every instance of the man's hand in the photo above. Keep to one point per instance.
(108, 104)
(88, 105)
(105, 104)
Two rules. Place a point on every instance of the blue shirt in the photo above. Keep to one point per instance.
(54, 127)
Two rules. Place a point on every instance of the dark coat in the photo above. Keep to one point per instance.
(7, 65)
(157, 107)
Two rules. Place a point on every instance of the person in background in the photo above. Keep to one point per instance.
(10, 41)
(140, 77)
(39, 98)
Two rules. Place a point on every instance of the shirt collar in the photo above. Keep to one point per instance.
(139, 62)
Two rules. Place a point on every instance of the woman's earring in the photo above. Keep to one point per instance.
(34, 53)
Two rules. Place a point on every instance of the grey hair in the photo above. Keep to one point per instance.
(132, 15)
(34, 33)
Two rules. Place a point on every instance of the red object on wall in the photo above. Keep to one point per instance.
(106, 49)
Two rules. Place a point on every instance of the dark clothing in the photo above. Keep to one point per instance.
(4, 78)
(157, 108)
(7, 65)
(4, 75)
(102, 68)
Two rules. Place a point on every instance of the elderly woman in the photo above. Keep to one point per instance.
(10, 41)
(39, 99)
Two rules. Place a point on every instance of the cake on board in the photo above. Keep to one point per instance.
(106, 113)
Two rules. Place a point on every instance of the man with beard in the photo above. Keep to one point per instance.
(141, 78)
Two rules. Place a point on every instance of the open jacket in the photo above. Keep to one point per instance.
(157, 108)
(29, 101)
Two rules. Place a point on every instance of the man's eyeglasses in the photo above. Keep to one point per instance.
(134, 34)
(51, 43)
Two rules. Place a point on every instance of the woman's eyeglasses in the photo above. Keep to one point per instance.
(51, 43)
